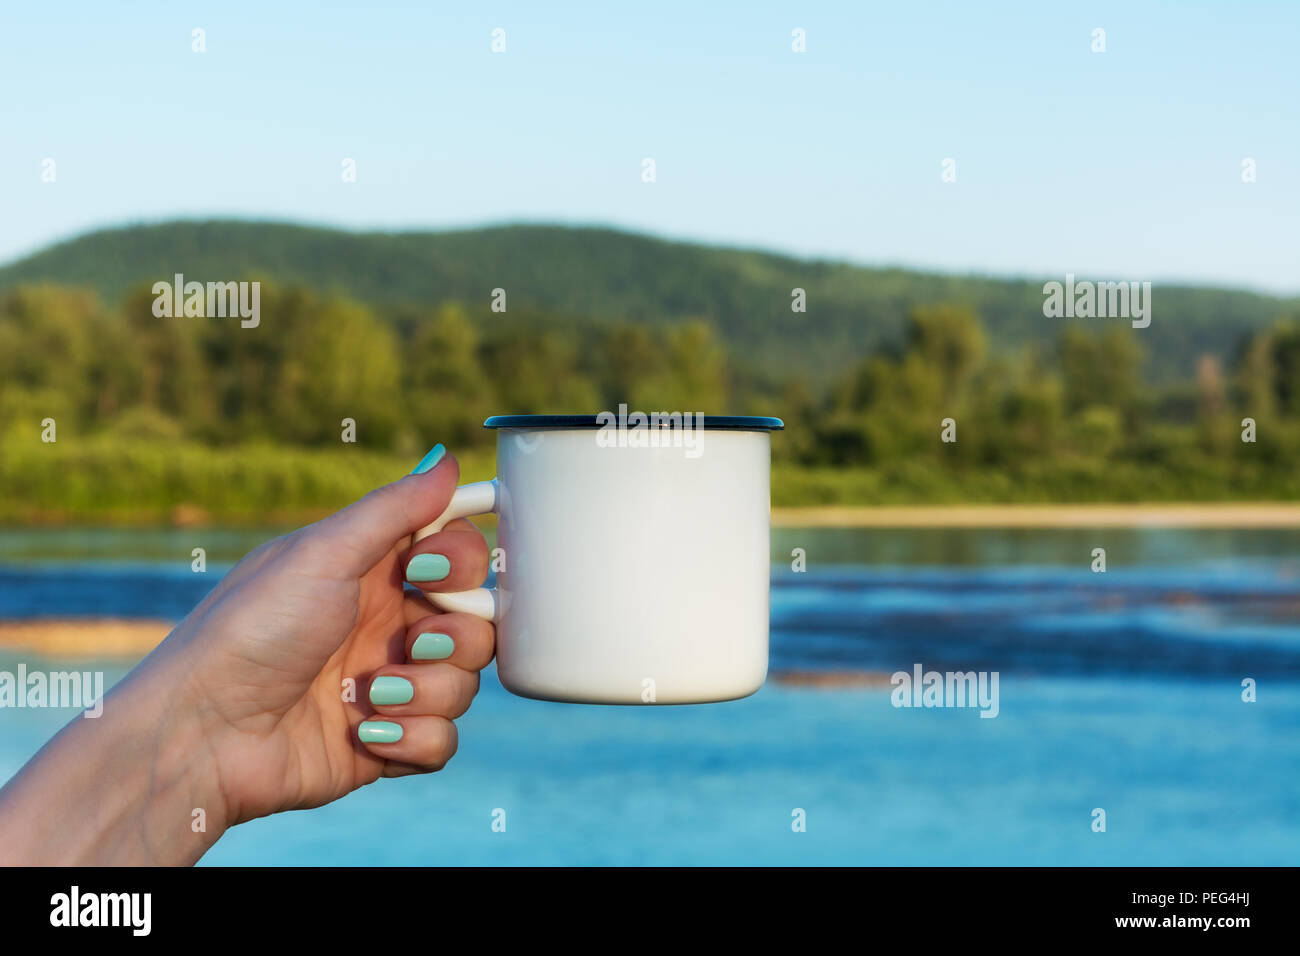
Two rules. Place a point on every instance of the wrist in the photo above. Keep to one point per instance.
(135, 786)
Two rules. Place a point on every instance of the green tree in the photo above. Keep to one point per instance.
(539, 373)
(347, 366)
(1100, 369)
(692, 376)
(449, 392)
(52, 339)
(952, 341)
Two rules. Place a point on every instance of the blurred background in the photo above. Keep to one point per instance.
(839, 215)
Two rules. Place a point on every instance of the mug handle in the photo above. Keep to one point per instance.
(479, 498)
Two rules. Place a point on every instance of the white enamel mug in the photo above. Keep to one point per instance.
(635, 556)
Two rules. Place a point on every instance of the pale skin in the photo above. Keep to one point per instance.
(241, 711)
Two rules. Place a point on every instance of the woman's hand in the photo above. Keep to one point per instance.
(308, 672)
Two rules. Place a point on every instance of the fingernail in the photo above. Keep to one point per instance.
(428, 567)
(429, 460)
(432, 647)
(379, 732)
(391, 690)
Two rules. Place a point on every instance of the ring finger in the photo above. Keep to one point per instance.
(441, 690)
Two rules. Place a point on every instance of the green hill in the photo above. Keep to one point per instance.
(587, 274)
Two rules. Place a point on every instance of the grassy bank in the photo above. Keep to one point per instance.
(104, 481)
(123, 482)
(1053, 482)
(1235, 515)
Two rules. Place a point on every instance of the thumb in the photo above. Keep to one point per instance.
(356, 538)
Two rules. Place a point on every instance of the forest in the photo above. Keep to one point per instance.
(177, 417)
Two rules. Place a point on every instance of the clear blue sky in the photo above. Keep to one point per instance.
(1124, 164)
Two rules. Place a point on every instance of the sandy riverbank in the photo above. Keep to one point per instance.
(1192, 515)
(60, 637)
(132, 639)
(831, 679)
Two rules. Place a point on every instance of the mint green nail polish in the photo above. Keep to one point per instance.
(428, 567)
(429, 460)
(391, 690)
(432, 647)
(379, 732)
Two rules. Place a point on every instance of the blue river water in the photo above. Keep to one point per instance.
(1119, 691)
